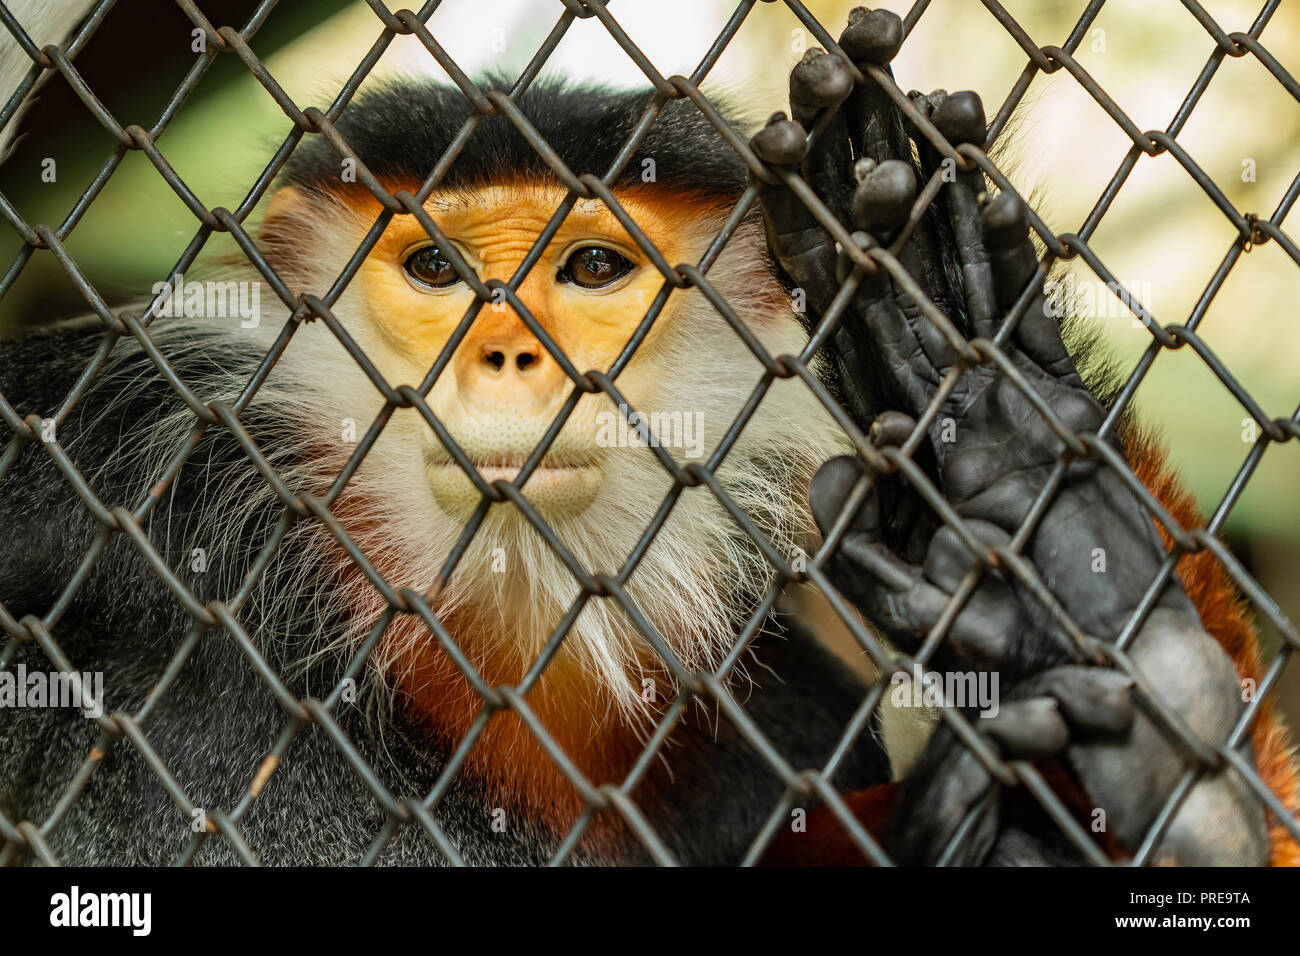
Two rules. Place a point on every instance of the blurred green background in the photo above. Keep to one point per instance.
(1163, 236)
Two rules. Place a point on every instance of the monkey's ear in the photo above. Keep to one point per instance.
(286, 208)
(292, 224)
(291, 231)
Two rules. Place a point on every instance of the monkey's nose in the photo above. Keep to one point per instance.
(509, 372)
(521, 358)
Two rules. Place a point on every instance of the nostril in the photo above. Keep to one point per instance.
(524, 359)
(494, 358)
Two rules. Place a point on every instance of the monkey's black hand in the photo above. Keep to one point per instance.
(999, 627)
(1039, 719)
(990, 450)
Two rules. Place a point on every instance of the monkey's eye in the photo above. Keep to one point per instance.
(429, 267)
(593, 267)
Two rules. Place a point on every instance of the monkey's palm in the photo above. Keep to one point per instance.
(991, 451)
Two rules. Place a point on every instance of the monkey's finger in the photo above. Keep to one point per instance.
(892, 594)
(1028, 729)
(989, 630)
(938, 351)
(795, 238)
(943, 790)
(879, 131)
(948, 559)
(897, 598)
(960, 118)
(1092, 699)
(883, 196)
(906, 601)
(829, 492)
(950, 784)
(819, 85)
(891, 427)
(862, 568)
(819, 81)
(1005, 224)
(781, 141)
(872, 36)
(904, 349)
(936, 266)
(875, 122)
(873, 558)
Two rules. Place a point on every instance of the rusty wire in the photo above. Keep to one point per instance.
(22, 837)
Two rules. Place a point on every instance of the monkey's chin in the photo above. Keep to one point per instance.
(554, 491)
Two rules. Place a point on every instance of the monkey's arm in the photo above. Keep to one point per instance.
(990, 452)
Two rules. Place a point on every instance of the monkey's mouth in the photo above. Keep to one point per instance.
(555, 486)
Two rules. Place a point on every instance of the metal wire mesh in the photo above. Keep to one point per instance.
(131, 730)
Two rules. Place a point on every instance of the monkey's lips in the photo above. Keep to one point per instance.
(552, 488)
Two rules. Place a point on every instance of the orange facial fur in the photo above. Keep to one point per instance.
(494, 227)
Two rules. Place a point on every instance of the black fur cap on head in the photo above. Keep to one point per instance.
(401, 129)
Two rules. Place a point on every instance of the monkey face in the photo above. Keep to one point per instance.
(589, 289)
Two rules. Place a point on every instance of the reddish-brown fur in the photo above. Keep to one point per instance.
(507, 756)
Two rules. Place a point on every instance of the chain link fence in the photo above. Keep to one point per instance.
(27, 839)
